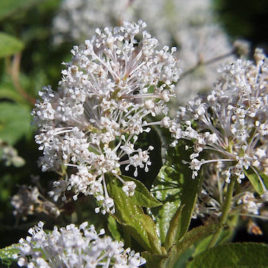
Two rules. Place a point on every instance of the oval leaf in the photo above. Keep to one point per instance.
(189, 189)
(154, 260)
(265, 179)
(168, 193)
(9, 45)
(255, 181)
(15, 122)
(183, 249)
(174, 229)
(112, 226)
(140, 226)
(233, 255)
(142, 197)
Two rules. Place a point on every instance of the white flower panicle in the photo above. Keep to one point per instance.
(210, 203)
(74, 247)
(115, 84)
(202, 49)
(77, 19)
(190, 24)
(232, 122)
(212, 196)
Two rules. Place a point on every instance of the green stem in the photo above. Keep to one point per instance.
(225, 211)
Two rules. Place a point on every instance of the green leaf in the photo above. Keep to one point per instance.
(174, 229)
(6, 254)
(176, 189)
(15, 121)
(9, 45)
(142, 197)
(195, 235)
(11, 94)
(255, 181)
(189, 191)
(168, 193)
(225, 236)
(185, 246)
(189, 188)
(237, 255)
(162, 261)
(139, 225)
(8, 90)
(112, 226)
(265, 179)
(184, 258)
(8, 7)
(154, 260)
(202, 245)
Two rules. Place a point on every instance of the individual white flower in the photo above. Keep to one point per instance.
(129, 188)
(113, 90)
(232, 122)
(74, 247)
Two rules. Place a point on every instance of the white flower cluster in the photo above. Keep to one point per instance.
(211, 199)
(203, 46)
(202, 49)
(77, 19)
(232, 121)
(115, 84)
(210, 203)
(29, 200)
(249, 204)
(9, 155)
(73, 247)
(191, 25)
